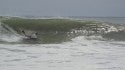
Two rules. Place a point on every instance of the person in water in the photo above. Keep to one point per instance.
(32, 36)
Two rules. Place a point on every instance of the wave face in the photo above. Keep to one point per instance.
(87, 45)
(57, 30)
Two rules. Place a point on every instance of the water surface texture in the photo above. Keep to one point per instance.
(81, 45)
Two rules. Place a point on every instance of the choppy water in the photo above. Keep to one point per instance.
(81, 52)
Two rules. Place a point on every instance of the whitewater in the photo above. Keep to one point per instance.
(80, 53)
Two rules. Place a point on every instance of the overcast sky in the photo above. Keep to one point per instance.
(62, 7)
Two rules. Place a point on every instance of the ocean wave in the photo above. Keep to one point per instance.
(7, 34)
(57, 30)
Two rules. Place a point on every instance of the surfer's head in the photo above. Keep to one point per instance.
(36, 33)
(23, 31)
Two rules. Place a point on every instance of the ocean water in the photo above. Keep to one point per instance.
(114, 20)
(79, 52)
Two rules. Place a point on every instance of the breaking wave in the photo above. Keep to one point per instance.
(62, 43)
(58, 30)
(7, 34)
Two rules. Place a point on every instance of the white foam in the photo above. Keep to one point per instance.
(8, 35)
(11, 38)
(79, 54)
